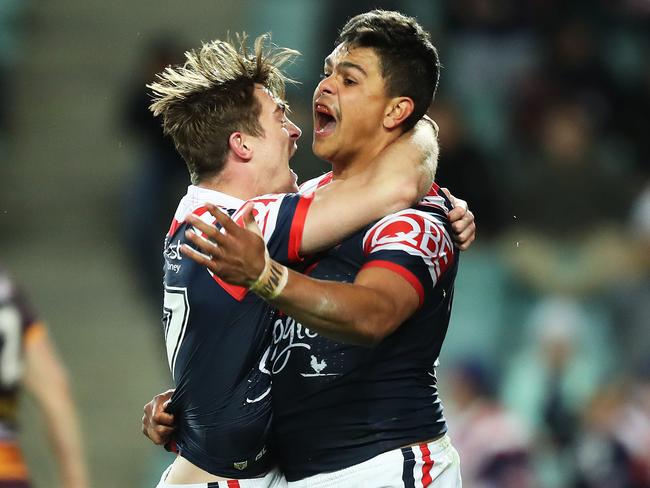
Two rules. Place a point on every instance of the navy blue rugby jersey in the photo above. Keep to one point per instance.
(336, 405)
(216, 336)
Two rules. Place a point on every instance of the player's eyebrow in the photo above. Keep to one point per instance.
(346, 64)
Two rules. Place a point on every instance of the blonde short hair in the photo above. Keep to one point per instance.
(211, 96)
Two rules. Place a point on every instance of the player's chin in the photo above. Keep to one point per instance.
(321, 148)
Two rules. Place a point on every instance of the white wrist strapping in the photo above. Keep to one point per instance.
(272, 280)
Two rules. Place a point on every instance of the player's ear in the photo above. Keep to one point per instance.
(239, 146)
(397, 111)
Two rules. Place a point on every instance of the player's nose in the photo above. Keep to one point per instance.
(294, 131)
(326, 86)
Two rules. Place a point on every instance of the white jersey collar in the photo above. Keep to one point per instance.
(200, 196)
(197, 197)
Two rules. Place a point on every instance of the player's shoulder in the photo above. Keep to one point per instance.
(314, 184)
(264, 204)
(196, 199)
(422, 227)
(194, 202)
(408, 222)
(432, 210)
(271, 198)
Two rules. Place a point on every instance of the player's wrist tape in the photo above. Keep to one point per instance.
(272, 281)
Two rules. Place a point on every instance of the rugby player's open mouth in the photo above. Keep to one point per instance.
(324, 121)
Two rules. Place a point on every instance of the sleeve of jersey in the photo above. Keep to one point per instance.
(281, 218)
(414, 245)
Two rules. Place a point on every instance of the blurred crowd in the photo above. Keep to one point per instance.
(543, 108)
(543, 116)
(12, 20)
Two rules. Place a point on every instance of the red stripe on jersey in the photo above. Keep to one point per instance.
(326, 179)
(310, 268)
(177, 223)
(237, 292)
(174, 227)
(400, 270)
(428, 464)
(434, 191)
(171, 446)
(201, 210)
(233, 484)
(298, 226)
(238, 217)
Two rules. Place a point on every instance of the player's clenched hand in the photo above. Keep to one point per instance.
(234, 254)
(157, 424)
(462, 222)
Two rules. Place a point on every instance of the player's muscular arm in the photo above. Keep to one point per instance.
(397, 179)
(238, 254)
(363, 312)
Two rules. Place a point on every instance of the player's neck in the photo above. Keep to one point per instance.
(230, 186)
(361, 161)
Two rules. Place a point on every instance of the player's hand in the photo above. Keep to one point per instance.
(234, 254)
(462, 222)
(157, 424)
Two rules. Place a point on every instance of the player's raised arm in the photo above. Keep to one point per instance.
(246, 256)
(399, 176)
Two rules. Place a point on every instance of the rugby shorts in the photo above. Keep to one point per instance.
(429, 465)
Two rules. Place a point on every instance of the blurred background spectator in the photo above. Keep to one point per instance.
(492, 441)
(548, 381)
(28, 359)
(159, 174)
(543, 110)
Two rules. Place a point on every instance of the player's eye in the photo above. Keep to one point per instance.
(349, 81)
(324, 75)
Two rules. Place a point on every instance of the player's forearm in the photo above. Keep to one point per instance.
(342, 311)
(343, 207)
(409, 163)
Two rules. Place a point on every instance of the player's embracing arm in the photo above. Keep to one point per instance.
(363, 313)
(398, 178)
(407, 253)
(295, 225)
